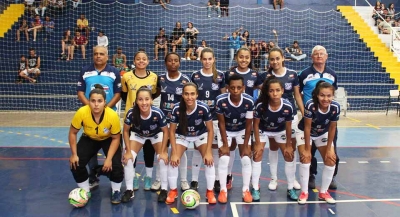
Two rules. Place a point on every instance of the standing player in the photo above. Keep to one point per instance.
(252, 81)
(33, 64)
(145, 122)
(291, 92)
(210, 83)
(273, 122)
(318, 125)
(169, 86)
(308, 78)
(195, 125)
(235, 117)
(101, 130)
(99, 72)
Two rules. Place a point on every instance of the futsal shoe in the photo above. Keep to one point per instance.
(162, 196)
(217, 186)
(327, 197)
(292, 194)
(210, 197)
(172, 195)
(194, 185)
(147, 183)
(135, 183)
(302, 198)
(156, 186)
(255, 194)
(184, 185)
(223, 196)
(311, 182)
(247, 198)
(273, 184)
(128, 195)
(116, 197)
(229, 181)
(333, 185)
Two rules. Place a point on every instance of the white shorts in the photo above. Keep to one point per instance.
(216, 131)
(25, 72)
(33, 70)
(197, 140)
(295, 123)
(141, 139)
(238, 136)
(318, 141)
(279, 137)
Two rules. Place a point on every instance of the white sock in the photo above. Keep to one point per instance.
(173, 173)
(255, 175)
(327, 175)
(116, 186)
(304, 172)
(162, 168)
(84, 185)
(215, 154)
(158, 172)
(183, 167)
(231, 161)
(273, 164)
(196, 165)
(129, 172)
(149, 172)
(223, 171)
(289, 171)
(210, 176)
(295, 162)
(246, 172)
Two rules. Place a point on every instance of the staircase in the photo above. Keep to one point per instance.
(9, 17)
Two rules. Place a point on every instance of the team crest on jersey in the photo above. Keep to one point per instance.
(153, 127)
(201, 112)
(334, 112)
(288, 86)
(223, 104)
(285, 111)
(214, 86)
(196, 77)
(280, 120)
(178, 90)
(231, 73)
(253, 74)
(155, 119)
(183, 82)
(242, 115)
(200, 87)
(250, 83)
(198, 121)
(106, 130)
(162, 79)
(291, 76)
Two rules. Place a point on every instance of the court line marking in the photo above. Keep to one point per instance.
(353, 119)
(373, 126)
(330, 210)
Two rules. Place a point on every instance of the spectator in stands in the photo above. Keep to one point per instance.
(255, 54)
(385, 27)
(190, 53)
(178, 37)
(295, 51)
(29, 6)
(383, 7)
(75, 3)
(33, 64)
(82, 24)
(376, 12)
(278, 2)
(119, 59)
(235, 43)
(160, 42)
(23, 27)
(48, 26)
(191, 32)
(102, 39)
(67, 43)
(23, 71)
(80, 41)
(57, 5)
(36, 25)
(224, 5)
(274, 43)
(246, 37)
(213, 5)
(264, 53)
(162, 3)
(200, 48)
(42, 7)
(391, 10)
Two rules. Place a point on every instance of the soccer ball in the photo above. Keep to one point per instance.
(78, 197)
(190, 199)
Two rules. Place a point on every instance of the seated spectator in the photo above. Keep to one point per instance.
(200, 48)
(224, 5)
(42, 7)
(57, 5)
(23, 27)
(383, 15)
(80, 41)
(22, 70)
(295, 51)
(36, 25)
(376, 12)
(190, 53)
(385, 27)
(255, 54)
(75, 3)
(67, 43)
(191, 32)
(272, 43)
(102, 39)
(33, 64)
(163, 4)
(119, 59)
(82, 24)
(29, 6)
(213, 5)
(278, 2)
(178, 37)
(48, 26)
(391, 10)
(160, 42)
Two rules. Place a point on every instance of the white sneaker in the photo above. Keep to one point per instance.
(188, 58)
(198, 59)
(183, 58)
(208, 16)
(273, 184)
(156, 185)
(185, 185)
(296, 185)
(219, 15)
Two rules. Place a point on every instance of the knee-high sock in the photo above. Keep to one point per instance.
(216, 162)
(158, 175)
(129, 172)
(255, 177)
(246, 172)
(173, 173)
(183, 167)
(295, 162)
(149, 172)
(223, 171)
(327, 175)
(84, 185)
(231, 161)
(289, 171)
(163, 170)
(196, 165)
(116, 186)
(304, 172)
(210, 176)
(273, 164)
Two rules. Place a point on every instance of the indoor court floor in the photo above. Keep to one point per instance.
(35, 179)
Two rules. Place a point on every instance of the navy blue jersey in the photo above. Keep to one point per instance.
(33, 61)
(171, 92)
(251, 79)
(274, 121)
(149, 126)
(320, 121)
(289, 80)
(235, 116)
(195, 120)
(208, 89)
(22, 65)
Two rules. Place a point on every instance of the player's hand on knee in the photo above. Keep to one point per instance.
(224, 150)
(74, 162)
(330, 158)
(174, 160)
(107, 166)
(305, 157)
(288, 154)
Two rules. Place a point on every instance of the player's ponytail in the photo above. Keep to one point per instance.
(98, 89)
(183, 122)
(136, 111)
